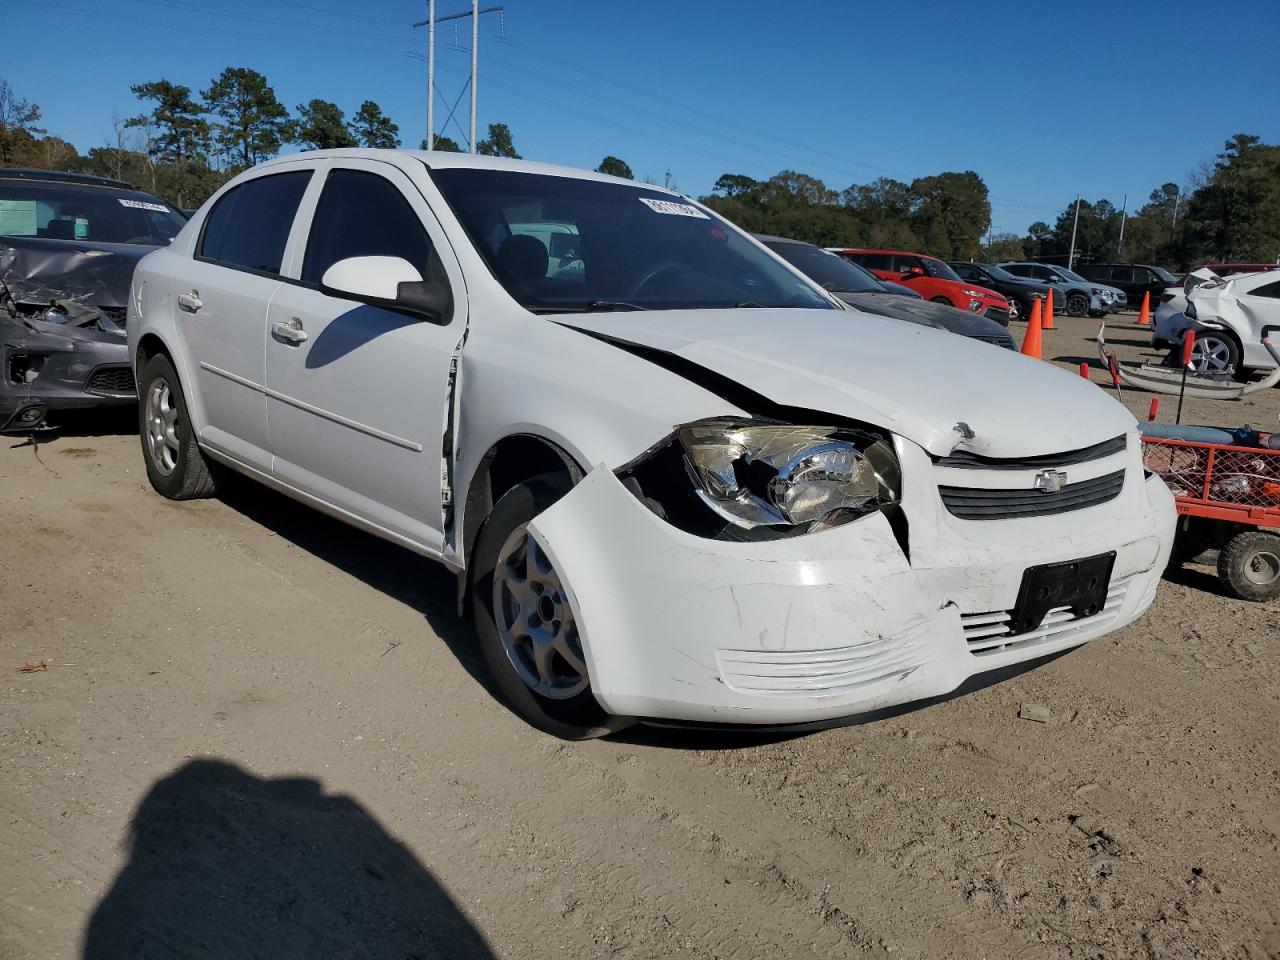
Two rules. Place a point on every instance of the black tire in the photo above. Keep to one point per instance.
(1019, 309)
(579, 717)
(1249, 565)
(943, 300)
(1077, 305)
(191, 476)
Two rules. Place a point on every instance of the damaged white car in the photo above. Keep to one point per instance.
(679, 483)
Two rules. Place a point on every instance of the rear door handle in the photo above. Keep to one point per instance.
(190, 301)
(290, 332)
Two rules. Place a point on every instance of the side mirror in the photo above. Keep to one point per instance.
(390, 282)
(1054, 278)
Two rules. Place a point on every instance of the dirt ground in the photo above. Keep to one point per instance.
(254, 732)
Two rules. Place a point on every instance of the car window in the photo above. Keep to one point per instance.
(1040, 273)
(902, 263)
(96, 214)
(364, 215)
(1268, 290)
(936, 268)
(830, 271)
(966, 271)
(873, 261)
(249, 225)
(638, 247)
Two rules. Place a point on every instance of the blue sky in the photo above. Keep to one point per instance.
(1042, 100)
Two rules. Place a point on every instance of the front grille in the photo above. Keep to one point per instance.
(988, 633)
(822, 673)
(980, 503)
(963, 460)
(999, 316)
(116, 381)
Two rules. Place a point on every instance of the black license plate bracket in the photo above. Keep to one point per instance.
(1080, 585)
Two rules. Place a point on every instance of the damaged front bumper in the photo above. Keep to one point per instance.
(57, 366)
(833, 624)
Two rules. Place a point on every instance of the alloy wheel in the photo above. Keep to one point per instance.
(162, 427)
(534, 620)
(1015, 308)
(1210, 354)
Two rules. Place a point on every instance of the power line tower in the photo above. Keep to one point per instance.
(430, 23)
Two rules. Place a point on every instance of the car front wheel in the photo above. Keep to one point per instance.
(525, 621)
(1077, 305)
(1015, 309)
(175, 465)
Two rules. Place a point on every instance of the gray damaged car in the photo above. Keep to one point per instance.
(68, 247)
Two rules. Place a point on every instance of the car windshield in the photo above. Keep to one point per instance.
(829, 271)
(999, 273)
(69, 211)
(939, 269)
(1068, 274)
(1165, 275)
(563, 244)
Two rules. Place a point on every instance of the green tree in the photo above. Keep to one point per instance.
(18, 119)
(443, 144)
(373, 128)
(1235, 215)
(734, 184)
(1003, 246)
(322, 126)
(498, 143)
(615, 167)
(951, 212)
(254, 124)
(176, 129)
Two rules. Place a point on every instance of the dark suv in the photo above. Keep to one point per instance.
(1134, 279)
(1021, 292)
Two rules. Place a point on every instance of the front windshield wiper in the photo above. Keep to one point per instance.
(602, 306)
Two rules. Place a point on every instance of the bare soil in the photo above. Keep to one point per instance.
(249, 731)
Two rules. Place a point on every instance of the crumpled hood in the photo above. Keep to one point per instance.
(912, 380)
(39, 271)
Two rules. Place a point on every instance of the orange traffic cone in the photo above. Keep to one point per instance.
(1032, 343)
(1144, 316)
(1047, 323)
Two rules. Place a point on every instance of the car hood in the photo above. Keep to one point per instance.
(39, 271)
(931, 388)
(925, 312)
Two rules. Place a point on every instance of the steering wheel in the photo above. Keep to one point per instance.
(658, 269)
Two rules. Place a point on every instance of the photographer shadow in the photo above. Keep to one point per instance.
(223, 865)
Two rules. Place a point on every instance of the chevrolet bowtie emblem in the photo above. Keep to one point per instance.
(1049, 481)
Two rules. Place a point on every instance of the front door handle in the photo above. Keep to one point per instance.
(290, 332)
(190, 301)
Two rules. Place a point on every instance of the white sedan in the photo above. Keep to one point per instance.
(1231, 318)
(677, 481)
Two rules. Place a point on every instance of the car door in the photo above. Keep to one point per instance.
(357, 394)
(221, 302)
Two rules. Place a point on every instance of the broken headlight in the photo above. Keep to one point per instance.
(756, 474)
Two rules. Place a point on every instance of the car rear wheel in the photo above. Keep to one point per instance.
(1077, 305)
(525, 621)
(175, 465)
(1249, 565)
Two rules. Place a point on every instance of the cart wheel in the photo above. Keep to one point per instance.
(1250, 565)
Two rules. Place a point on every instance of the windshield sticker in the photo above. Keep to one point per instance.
(18, 218)
(675, 209)
(143, 205)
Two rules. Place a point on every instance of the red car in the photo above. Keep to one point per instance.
(931, 278)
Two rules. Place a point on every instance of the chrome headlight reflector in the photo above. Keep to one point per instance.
(758, 474)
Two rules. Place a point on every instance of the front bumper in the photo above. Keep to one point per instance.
(833, 624)
(46, 369)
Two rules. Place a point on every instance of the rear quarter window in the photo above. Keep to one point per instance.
(249, 225)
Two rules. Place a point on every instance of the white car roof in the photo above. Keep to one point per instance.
(441, 160)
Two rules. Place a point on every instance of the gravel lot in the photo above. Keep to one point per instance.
(259, 733)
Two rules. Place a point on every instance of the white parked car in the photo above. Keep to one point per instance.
(1230, 316)
(678, 483)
